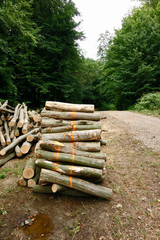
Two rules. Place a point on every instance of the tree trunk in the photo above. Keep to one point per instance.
(6, 158)
(21, 118)
(61, 157)
(8, 140)
(69, 107)
(4, 110)
(61, 147)
(70, 128)
(79, 171)
(29, 169)
(71, 115)
(88, 135)
(51, 122)
(33, 181)
(76, 183)
(2, 139)
(16, 115)
(18, 151)
(25, 125)
(16, 141)
(84, 146)
(22, 182)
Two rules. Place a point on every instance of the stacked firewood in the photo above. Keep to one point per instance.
(16, 126)
(68, 158)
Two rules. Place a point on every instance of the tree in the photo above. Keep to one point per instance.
(133, 58)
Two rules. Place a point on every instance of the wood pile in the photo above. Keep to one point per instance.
(68, 158)
(17, 125)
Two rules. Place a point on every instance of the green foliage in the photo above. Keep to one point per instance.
(150, 101)
(132, 59)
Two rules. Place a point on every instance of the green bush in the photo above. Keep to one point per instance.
(149, 101)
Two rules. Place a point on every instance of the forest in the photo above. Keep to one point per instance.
(41, 59)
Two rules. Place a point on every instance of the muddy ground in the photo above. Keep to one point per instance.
(133, 173)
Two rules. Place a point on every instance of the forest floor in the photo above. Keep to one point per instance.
(132, 171)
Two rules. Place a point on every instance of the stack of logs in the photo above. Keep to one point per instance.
(16, 128)
(68, 158)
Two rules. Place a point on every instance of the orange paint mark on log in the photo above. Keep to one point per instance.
(70, 182)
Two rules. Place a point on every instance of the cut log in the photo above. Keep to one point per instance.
(22, 182)
(3, 117)
(62, 157)
(68, 191)
(33, 137)
(18, 151)
(58, 188)
(88, 135)
(70, 107)
(2, 139)
(5, 110)
(84, 146)
(8, 140)
(5, 104)
(33, 181)
(16, 133)
(6, 158)
(79, 171)
(15, 117)
(61, 147)
(26, 122)
(17, 141)
(21, 118)
(71, 115)
(26, 146)
(103, 142)
(70, 128)
(51, 122)
(29, 169)
(42, 189)
(76, 183)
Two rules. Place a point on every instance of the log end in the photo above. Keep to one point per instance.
(31, 183)
(28, 173)
(54, 188)
(2, 152)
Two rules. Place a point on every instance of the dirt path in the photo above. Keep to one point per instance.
(143, 128)
(132, 171)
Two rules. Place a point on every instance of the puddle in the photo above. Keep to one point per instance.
(41, 227)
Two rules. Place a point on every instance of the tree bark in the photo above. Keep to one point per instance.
(88, 135)
(71, 115)
(61, 147)
(69, 107)
(79, 171)
(42, 189)
(51, 122)
(6, 158)
(61, 157)
(5, 110)
(25, 125)
(29, 169)
(18, 140)
(76, 183)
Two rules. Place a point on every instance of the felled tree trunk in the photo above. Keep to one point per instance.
(6, 158)
(51, 122)
(79, 171)
(84, 146)
(76, 183)
(88, 135)
(51, 105)
(16, 115)
(33, 181)
(61, 157)
(8, 140)
(2, 139)
(71, 115)
(61, 147)
(29, 169)
(16, 141)
(18, 151)
(70, 128)
(25, 147)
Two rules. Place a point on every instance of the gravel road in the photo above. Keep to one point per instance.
(143, 128)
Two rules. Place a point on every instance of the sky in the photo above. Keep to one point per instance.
(97, 16)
